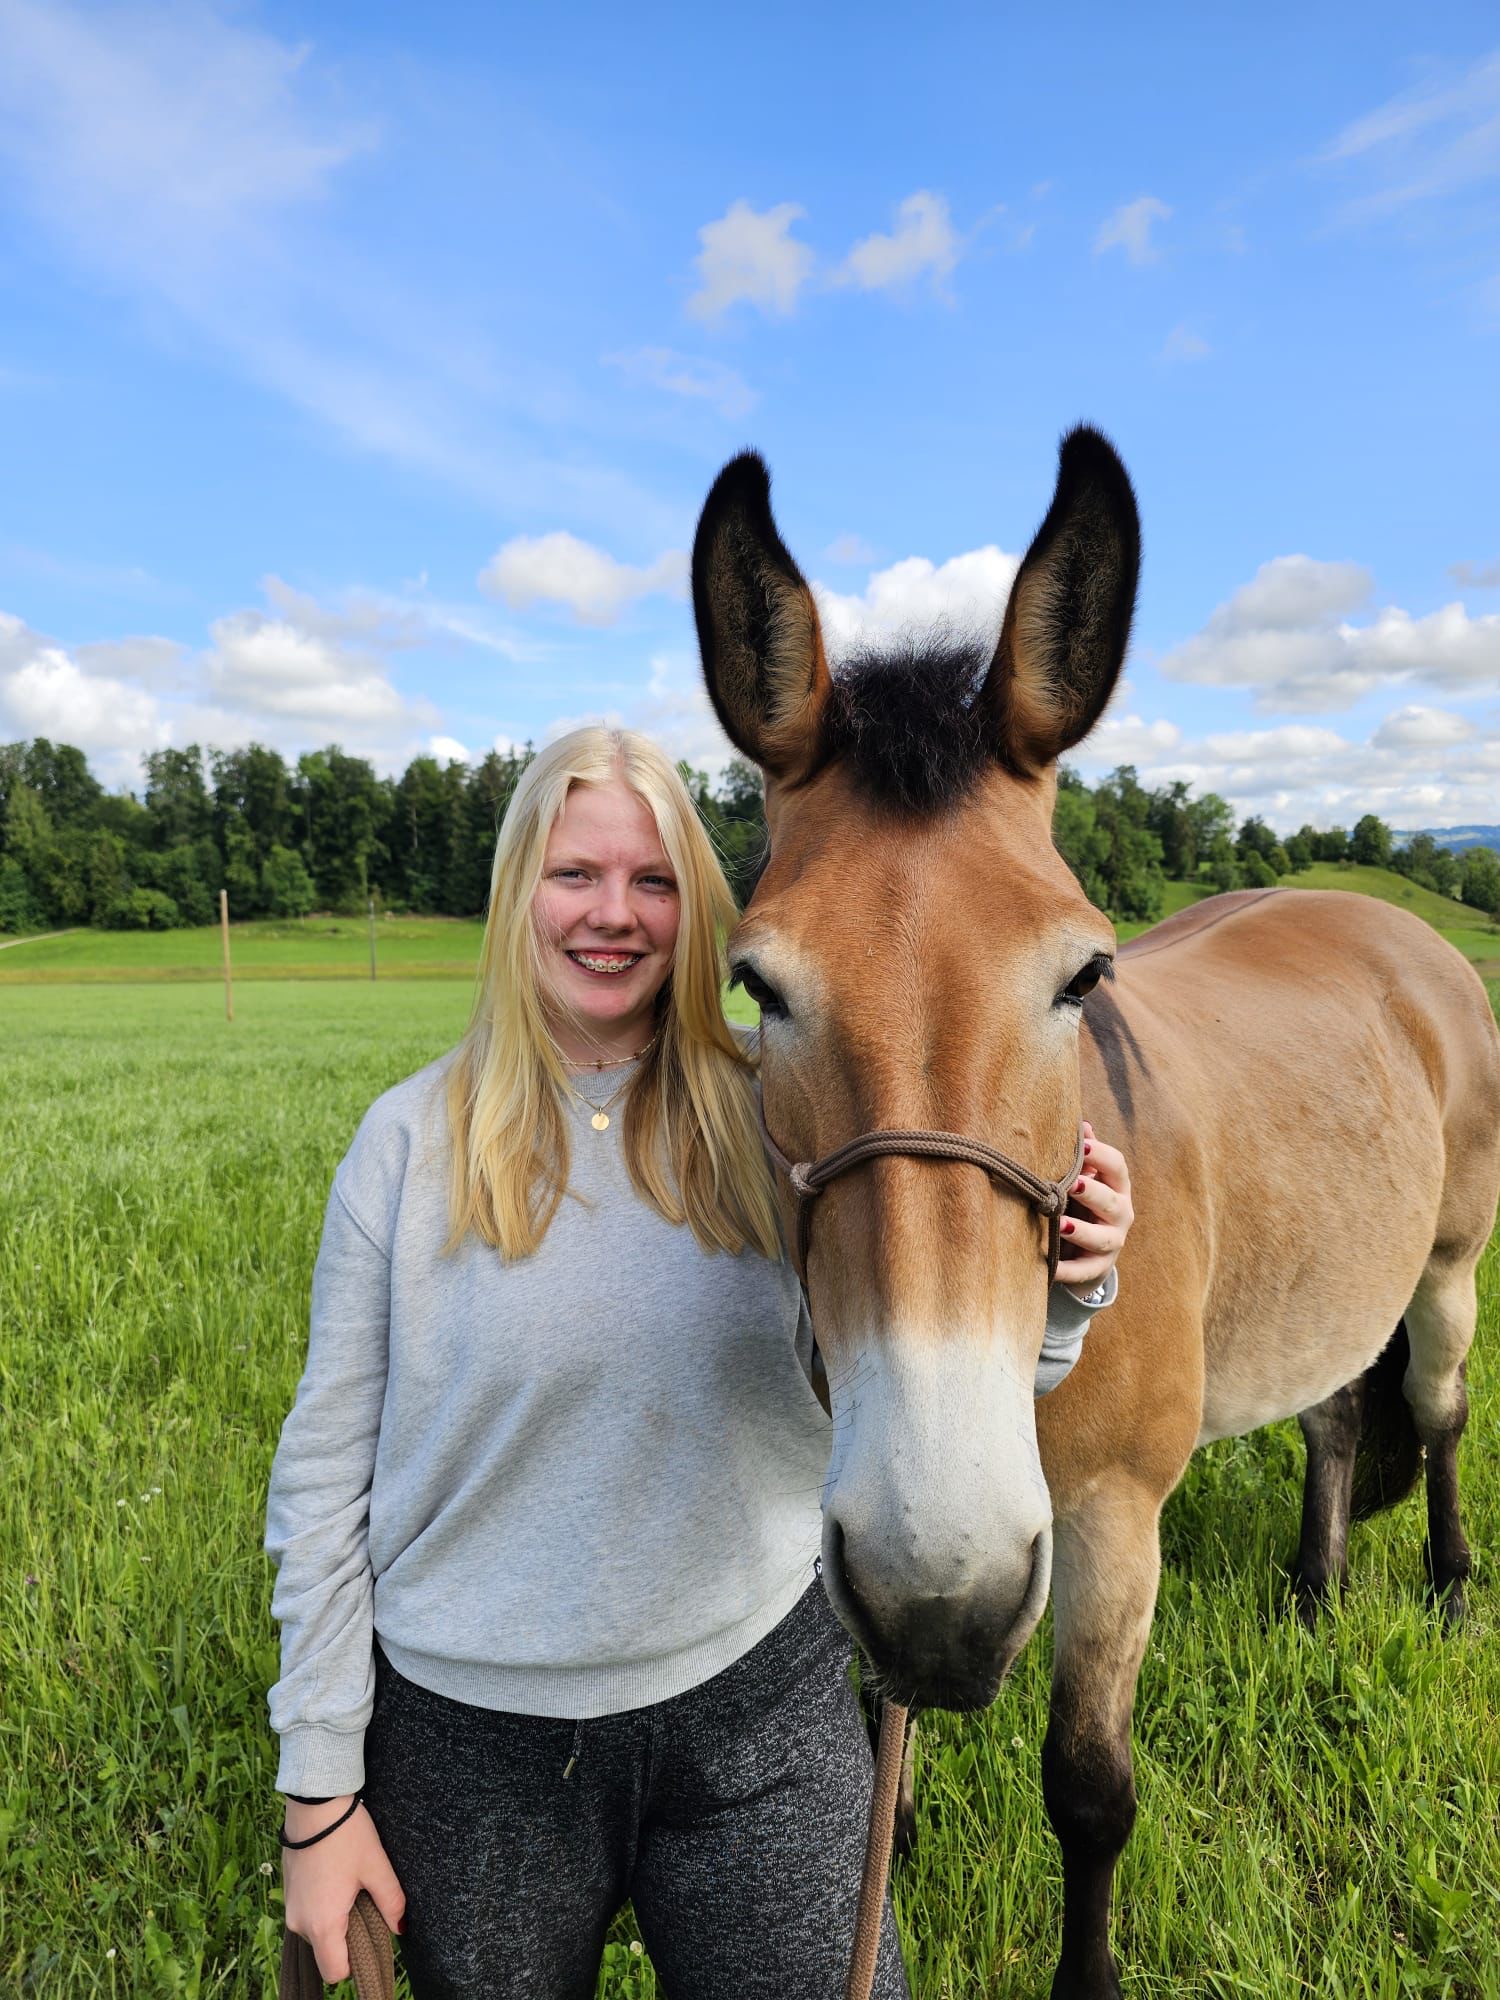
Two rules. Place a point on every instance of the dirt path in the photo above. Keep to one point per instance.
(40, 937)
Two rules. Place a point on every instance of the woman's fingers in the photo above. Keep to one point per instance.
(1107, 1163)
(1093, 1238)
(1106, 1203)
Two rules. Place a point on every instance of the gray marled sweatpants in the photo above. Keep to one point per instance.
(733, 1817)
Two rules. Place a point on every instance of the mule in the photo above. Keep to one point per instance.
(1306, 1085)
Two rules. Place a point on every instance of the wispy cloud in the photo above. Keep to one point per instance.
(1477, 576)
(1129, 229)
(692, 376)
(1438, 139)
(1182, 344)
(205, 169)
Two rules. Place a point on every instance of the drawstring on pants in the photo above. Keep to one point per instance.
(572, 1762)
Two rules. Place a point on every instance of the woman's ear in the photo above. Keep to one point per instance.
(758, 631)
(1068, 619)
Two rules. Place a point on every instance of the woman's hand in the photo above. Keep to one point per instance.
(321, 1883)
(1092, 1240)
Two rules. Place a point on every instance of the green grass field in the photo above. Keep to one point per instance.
(1317, 1812)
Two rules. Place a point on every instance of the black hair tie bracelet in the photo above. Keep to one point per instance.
(330, 1828)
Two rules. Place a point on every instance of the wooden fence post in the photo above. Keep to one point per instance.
(224, 929)
(372, 937)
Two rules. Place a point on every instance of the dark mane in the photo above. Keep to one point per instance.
(908, 719)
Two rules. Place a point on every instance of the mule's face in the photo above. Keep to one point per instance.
(912, 942)
(922, 977)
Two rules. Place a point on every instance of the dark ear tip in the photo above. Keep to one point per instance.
(745, 480)
(1085, 452)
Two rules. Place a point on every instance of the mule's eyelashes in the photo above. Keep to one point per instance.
(1100, 966)
(745, 976)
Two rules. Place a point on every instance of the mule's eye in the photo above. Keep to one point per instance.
(1099, 967)
(749, 981)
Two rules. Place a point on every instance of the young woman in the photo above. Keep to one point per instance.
(546, 1508)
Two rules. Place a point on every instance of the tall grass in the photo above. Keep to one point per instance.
(1318, 1813)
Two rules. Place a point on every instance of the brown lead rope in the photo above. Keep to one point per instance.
(877, 1852)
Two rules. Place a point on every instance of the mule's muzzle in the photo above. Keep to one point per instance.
(948, 1649)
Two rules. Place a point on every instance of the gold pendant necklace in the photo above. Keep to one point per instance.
(600, 1119)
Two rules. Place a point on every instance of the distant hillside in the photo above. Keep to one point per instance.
(1454, 838)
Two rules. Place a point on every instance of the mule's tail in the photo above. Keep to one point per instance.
(1388, 1457)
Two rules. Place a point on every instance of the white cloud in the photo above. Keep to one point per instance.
(49, 694)
(1128, 739)
(923, 243)
(751, 257)
(270, 667)
(966, 591)
(1182, 344)
(152, 662)
(1477, 576)
(688, 375)
(1420, 767)
(1287, 636)
(448, 750)
(560, 569)
(1424, 727)
(1129, 229)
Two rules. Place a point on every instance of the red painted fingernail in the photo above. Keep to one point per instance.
(1087, 1146)
(1067, 1229)
(401, 1928)
(1079, 1186)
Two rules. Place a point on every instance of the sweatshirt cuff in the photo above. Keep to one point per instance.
(328, 1762)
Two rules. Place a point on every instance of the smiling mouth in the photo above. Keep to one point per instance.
(606, 961)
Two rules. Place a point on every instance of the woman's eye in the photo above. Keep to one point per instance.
(1085, 981)
(659, 882)
(765, 997)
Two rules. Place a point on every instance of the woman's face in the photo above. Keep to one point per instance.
(606, 912)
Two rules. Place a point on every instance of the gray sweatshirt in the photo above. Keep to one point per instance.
(565, 1486)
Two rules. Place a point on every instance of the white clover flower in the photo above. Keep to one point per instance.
(1016, 1743)
(119, 1503)
(265, 1868)
(110, 1953)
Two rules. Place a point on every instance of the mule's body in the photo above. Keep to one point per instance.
(1306, 1086)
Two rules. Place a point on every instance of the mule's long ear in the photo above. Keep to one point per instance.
(1068, 618)
(758, 627)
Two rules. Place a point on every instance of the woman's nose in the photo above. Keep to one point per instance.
(612, 906)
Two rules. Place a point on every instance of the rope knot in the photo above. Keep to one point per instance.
(801, 1185)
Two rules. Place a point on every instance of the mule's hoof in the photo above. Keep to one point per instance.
(1451, 1604)
(1310, 1594)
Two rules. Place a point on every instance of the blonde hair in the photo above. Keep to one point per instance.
(691, 1137)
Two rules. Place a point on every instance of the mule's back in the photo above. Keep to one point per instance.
(1308, 1084)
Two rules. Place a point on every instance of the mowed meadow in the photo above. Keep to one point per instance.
(1318, 1811)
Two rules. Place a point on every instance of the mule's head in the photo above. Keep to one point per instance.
(919, 949)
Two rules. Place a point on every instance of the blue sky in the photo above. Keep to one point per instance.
(363, 369)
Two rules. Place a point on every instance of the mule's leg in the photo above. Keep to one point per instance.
(1331, 1430)
(1106, 1561)
(1440, 1326)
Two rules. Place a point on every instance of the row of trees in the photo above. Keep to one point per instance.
(328, 832)
(1124, 843)
(325, 833)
